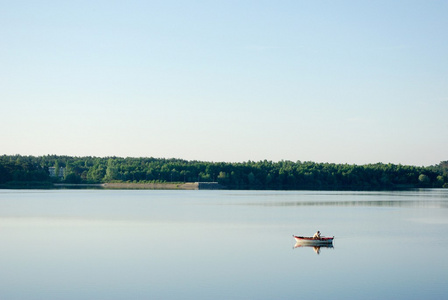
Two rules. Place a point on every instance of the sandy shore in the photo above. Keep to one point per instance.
(147, 186)
(152, 186)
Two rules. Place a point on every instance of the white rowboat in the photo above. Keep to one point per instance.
(303, 240)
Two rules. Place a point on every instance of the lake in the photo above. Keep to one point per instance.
(154, 244)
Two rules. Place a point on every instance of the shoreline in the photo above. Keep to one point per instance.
(180, 186)
(124, 185)
(152, 186)
(145, 186)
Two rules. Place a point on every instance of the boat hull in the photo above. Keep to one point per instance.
(312, 241)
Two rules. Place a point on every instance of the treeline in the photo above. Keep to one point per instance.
(17, 169)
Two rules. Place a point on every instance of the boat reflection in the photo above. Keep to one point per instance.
(315, 248)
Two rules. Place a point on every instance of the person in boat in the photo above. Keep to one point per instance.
(316, 235)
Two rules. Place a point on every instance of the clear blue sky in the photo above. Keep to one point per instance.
(325, 81)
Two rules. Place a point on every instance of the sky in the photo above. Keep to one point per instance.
(354, 82)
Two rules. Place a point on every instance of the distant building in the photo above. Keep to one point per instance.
(52, 171)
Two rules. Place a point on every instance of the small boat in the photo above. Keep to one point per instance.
(304, 240)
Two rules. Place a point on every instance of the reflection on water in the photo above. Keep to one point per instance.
(374, 203)
(434, 198)
(315, 248)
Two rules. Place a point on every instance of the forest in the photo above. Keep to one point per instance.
(43, 171)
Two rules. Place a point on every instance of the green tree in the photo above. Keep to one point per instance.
(57, 169)
(424, 179)
(111, 171)
(251, 178)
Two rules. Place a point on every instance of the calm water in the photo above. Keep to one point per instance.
(102, 244)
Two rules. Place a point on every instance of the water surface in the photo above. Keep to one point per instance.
(134, 244)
